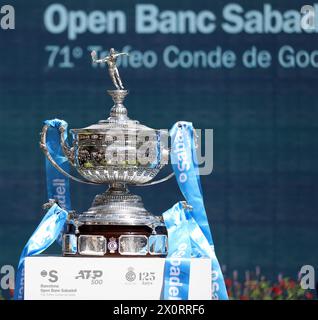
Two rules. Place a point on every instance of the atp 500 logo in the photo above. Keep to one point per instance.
(7, 17)
(93, 275)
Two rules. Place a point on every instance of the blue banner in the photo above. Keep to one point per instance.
(52, 225)
(185, 165)
(177, 264)
(58, 186)
(45, 234)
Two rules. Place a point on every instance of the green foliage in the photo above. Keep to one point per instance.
(262, 289)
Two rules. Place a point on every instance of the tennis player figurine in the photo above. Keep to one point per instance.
(112, 68)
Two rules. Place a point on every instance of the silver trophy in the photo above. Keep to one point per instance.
(118, 152)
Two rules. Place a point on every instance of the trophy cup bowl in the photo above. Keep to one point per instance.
(117, 151)
(99, 159)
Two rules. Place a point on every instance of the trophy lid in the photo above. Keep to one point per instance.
(118, 118)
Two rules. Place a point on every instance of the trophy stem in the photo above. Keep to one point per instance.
(118, 206)
(117, 187)
(118, 111)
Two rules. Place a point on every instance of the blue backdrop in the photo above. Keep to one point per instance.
(261, 197)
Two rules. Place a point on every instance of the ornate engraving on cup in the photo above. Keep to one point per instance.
(120, 155)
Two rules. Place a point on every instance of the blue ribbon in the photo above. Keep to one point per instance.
(45, 234)
(58, 186)
(52, 225)
(185, 165)
(177, 264)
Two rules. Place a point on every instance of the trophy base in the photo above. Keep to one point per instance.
(116, 241)
(116, 225)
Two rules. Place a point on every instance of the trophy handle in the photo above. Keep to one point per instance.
(68, 153)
